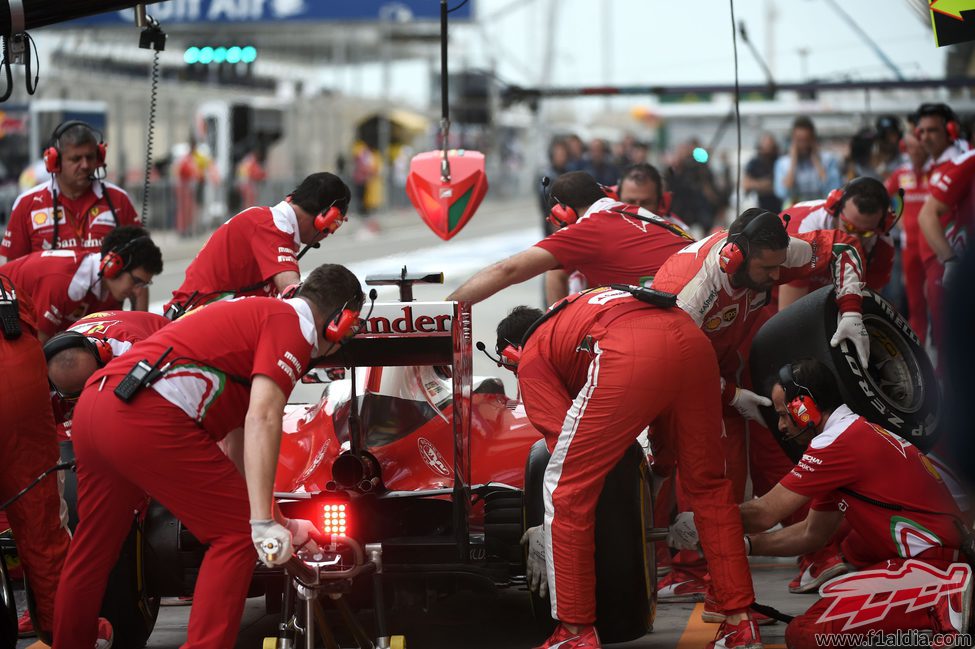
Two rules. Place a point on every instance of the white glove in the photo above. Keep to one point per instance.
(747, 402)
(682, 535)
(302, 532)
(850, 326)
(950, 268)
(272, 540)
(534, 538)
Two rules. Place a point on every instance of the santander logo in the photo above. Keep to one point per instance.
(417, 319)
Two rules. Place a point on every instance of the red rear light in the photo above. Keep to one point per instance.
(334, 519)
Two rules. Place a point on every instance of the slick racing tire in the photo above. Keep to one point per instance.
(126, 604)
(8, 607)
(898, 390)
(626, 588)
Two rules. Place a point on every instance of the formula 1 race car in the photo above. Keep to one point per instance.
(417, 472)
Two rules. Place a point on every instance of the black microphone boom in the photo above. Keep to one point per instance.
(39, 13)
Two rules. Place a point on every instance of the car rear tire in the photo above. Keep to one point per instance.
(626, 588)
(898, 391)
(126, 604)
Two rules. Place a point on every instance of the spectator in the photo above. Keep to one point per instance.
(760, 172)
(695, 195)
(558, 164)
(366, 184)
(805, 173)
(860, 160)
(599, 163)
(251, 175)
(889, 152)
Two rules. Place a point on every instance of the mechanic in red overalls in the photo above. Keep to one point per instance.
(230, 370)
(724, 282)
(74, 355)
(254, 253)
(28, 447)
(607, 241)
(65, 285)
(596, 372)
(912, 178)
(890, 494)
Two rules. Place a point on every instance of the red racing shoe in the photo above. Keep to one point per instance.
(680, 586)
(562, 638)
(25, 628)
(106, 634)
(714, 615)
(816, 568)
(743, 635)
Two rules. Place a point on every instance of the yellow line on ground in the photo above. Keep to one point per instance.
(698, 633)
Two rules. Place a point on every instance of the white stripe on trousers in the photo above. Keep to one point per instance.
(554, 469)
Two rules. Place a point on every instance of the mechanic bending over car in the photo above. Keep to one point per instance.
(66, 284)
(607, 241)
(595, 371)
(891, 495)
(723, 282)
(150, 421)
(73, 356)
(256, 252)
(28, 447)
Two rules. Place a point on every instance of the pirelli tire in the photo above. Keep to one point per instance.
(626, 583)
(898, 390)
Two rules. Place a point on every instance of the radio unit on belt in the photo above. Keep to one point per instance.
(142, 375)
(9, 312)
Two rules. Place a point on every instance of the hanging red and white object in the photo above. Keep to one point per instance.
(447, 202)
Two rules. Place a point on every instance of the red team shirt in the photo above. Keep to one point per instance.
(878, 250)
(915, 186)
(638, 248)
(726, 314)
(951, 183)
(82, 223)
(897, 473)
(121, 330)
(239, 339)
(246, 252)
(63, 285)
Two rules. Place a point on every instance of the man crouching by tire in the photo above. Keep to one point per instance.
(149, 423)
(594, 372)
(906, 529)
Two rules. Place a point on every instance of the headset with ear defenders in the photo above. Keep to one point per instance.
(330, 220)
(510, 356)
(945, 112)
(114, 262)
(341, 323)
(52, 154)
(733, 255)
(100, 349)
(799, 401)
(561, 214)
(836, 201)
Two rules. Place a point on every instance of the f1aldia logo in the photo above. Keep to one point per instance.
(871, 595)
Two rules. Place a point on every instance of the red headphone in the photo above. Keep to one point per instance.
(98, 347)
(946, 113)
(733, 254)
(561, 214)
(52, 154)
(341, 323)
(510, 356)
(330, 220)
(114, 262)
(799, 401)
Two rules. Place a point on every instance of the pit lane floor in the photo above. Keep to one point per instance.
(479, 621)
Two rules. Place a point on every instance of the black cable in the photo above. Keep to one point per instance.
(31, 88)
(457, 7)
(5, 64)
(60, 466)
(153, 91)
(734, 42)
(444, 106)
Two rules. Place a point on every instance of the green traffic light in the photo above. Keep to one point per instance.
(206, 55)
(700, 155)
(248, 54)
(233, 54)
(191, 55)
(219, 54)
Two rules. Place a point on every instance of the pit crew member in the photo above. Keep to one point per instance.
(73, 356)
(724, 282)
(912, 178)
(255, 252)
(28, 447)
(862, 208)
(607, 241)
(228, 371)
(65, 285)
(88, 207)
(593, 374)
(889, 493)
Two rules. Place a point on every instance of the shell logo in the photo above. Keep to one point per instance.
(40, 218)
(432, 458)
